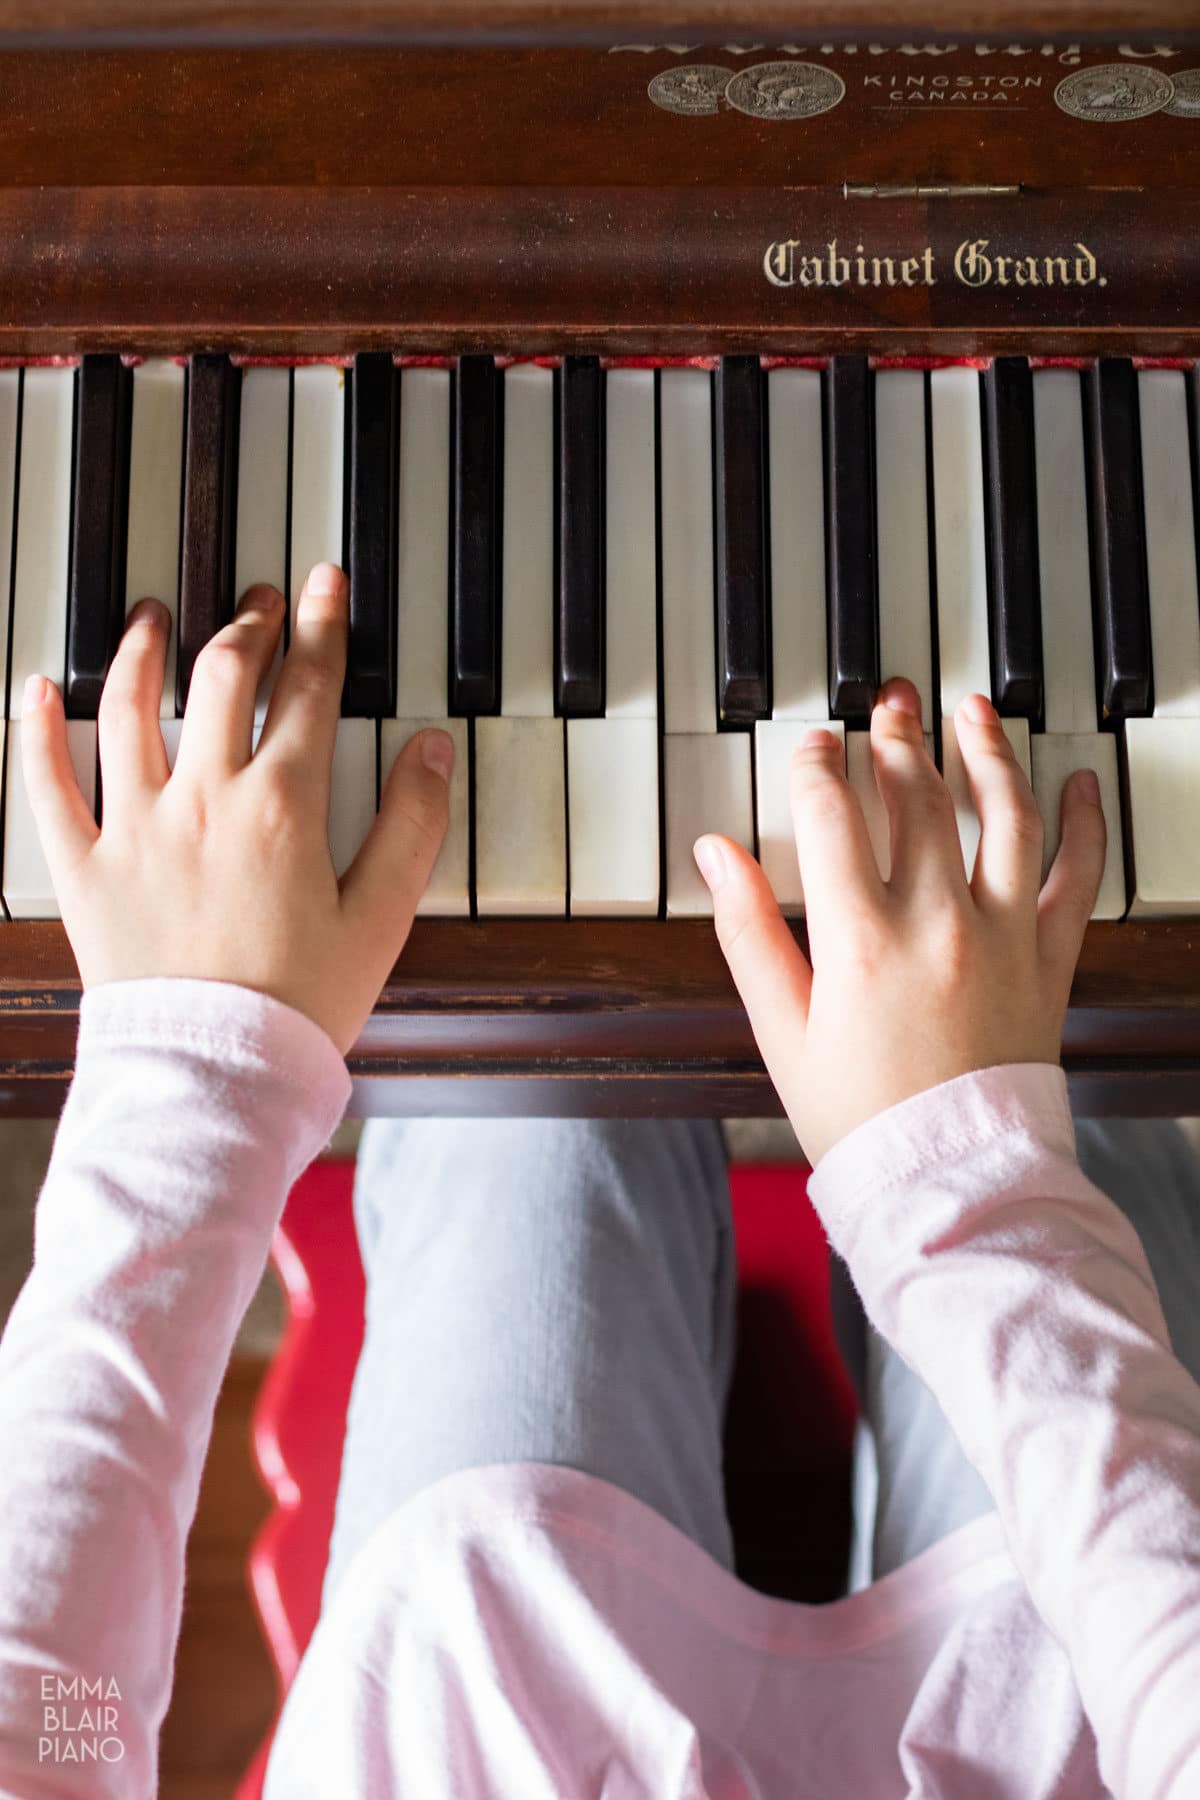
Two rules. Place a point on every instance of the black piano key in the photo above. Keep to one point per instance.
(1010, 514)
(579, 627)
(850, 556)
(206, 597)
(743, 655)
(1193, 385)
(474, 622)
(1120, 586)
(100, 516)
(370, 687)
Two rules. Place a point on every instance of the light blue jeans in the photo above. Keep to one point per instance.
(564, 1291)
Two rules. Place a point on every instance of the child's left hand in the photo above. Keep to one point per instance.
(221, 870)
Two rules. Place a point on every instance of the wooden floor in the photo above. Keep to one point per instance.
(224, 1696)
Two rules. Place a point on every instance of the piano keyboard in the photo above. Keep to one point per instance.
(627, 592)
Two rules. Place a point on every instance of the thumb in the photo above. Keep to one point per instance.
(385, 881)
(770, 971)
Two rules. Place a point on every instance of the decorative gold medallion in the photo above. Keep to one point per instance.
(785, 90)
(693, 89)
(1113, 93)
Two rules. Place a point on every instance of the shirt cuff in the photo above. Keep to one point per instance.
(1024, 1106)
(244, 1031)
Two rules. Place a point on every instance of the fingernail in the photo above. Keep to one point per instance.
(147, 612)
(816, 739)
(325, 578)
(262, 597)
(437, 752)
(979, 710)
(710, 860)
(37, 690)
(898, 700)
(1087, 785)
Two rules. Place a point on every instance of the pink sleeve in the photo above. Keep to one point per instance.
(1022, 1296)
(194, 1106)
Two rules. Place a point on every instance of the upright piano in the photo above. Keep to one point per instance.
(666, 373)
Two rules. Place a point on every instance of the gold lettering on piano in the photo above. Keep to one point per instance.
(976, 263)
(975, 267)
(1070, 55)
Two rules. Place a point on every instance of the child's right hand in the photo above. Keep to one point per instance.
(926, 976)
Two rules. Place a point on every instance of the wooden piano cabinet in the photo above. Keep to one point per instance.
(628, 1018)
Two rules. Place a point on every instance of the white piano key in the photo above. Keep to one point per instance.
(39, 598)
(964, 664)
(318, 450)
(1063, 557)
(775, 740)
(612, 814)
(955, 775)
(422, 551)
(24, 877)
(352, 792)
(903, 532)
(156, 499)
(799, 655)
(1170, 543)
(10, 391)
(1057, 755)
(686, 540)
(172, 732)
(448, 891)
(261, 550)
(1163, 762)
(520, 817)
(860, 772)
(631, 547)
(527, 583)
(707, 786)
(261, 553)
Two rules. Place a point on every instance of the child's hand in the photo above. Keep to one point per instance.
(222, 870)
(924, 977)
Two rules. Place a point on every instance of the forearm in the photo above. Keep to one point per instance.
(1023, 1298)
(194, 1107)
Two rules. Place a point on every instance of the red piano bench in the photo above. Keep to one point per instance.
(789, 1428)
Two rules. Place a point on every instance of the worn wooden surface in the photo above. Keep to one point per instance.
(622, 1017)
(534, 200)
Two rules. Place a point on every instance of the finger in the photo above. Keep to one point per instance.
(384, 883)
(1008, 865)
(1066, 901)
(303, 713)
(832, 846)
(925, 854)
(133, 758)
(768, 967)
(218, 724)
(65, 826)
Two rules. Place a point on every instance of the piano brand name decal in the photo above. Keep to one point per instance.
(976, 263)
(910, 89)
(1069, 55)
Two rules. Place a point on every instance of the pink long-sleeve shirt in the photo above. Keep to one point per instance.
(532, 1632)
